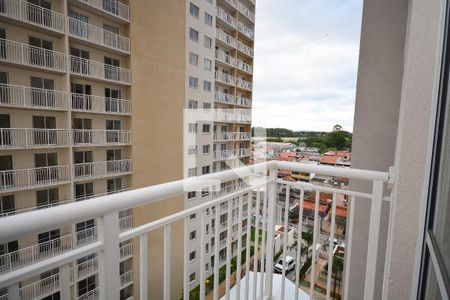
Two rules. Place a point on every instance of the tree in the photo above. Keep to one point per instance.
(337, 127)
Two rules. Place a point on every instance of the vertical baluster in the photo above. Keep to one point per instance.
(315, 234)
(143, 272)
(239, 249)
(331, 246)
(299, 243)
(256, 242)
(271, 197)
(263, 244)
(167, 252)
(248, 247)
(285, 240)
(216, 251)
(202, 255)
(228, 258)
(185, 261)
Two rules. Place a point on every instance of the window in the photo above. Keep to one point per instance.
(86, 285)
(9, 247)
(207, 231)
(7, 204)
(207, 42)
(193, 59)
(192, 150)
(206, 265)
(207, 64)
(192, 217)
(192, 104)
(206, 128)
(192, 172)
(192, 127)
(207, 105)
(205, 192)
(192, 256)
(205, 169)
(206, 149)
(45, 198)
(84, 190)
(193, 10)
(191, 195)
(208, 19)
(192, 235)
(207, 86)
(192, 278)
(193, 82)
(114, 185)
(193, 35)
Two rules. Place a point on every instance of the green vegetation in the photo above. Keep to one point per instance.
(337, 139)
(252, 235)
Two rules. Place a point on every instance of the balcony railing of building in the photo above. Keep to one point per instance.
(91, 295)
(17, 138)
(231, 136)
(222, 56)
(98, 104)
(112, 7)
(223, 97)
(126, 251)
(92, 137)
(98, 36)
(242, 9)
(261, 199)
(244, 84)
(98, 70)
(226, 154)
(126, 278)
(40, 288)
(235, 115)
(232, 22)
(126, 222)
(85, 269)
(28, 97)
(12, 180)
(6, 213)
(224, 78)
(23, 54)
(32, 14)
(101, 169)
(232, 42)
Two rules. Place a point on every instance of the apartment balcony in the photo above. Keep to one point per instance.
(21, 138)
(245, 67)
(22, 179)
(33, 15)
(243, 48)
(245, 31)
(259, 195)
(228, 154)
(101, 105)
(41, 288)
(245, 12)
(226, 17)
(91, 295)
(101, 137)
(226, 38)
(30, 255)
(85, 269)
(126, 279)
(226, 98)
(98, 36)
(233, 116)
(113, 8)
(102, 169)
(231, 136)
(126, 251)
(33, 98)
(228, 60)
(244, 84)
(242, 101)
(32, 57)
(224, 78)
(100, 71)
(126, 222)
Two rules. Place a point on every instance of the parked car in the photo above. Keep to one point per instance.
(290, 265)
(336, 242)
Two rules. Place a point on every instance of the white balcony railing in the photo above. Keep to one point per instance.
(223, 97)
(233, 115)
(226, 17)
(225, 58)
(97, 35)
(244, 101)
(113, 7)
(231, 136)
(126, 278)
(33, 254)
(11, 180)
(16, 138)
(225, 78)
(23, 54)
(226, 154)
(101, 137)
(245, 12)
(98, 70)
(32, 14)
(86, 268)
(259, 195)
(41, 288)
(91, 295)
(126, 222)
(244, 48)
(28, 97)
(244, 84)
(226, 38)
(101, 169)
(126, 251)
(89, 103)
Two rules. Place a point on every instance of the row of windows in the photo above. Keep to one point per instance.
(205, 169)
(193, 83)
(194, 36)
(192, 127)
(193, 60)
(194, 10)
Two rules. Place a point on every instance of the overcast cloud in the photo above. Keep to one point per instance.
(306, 58)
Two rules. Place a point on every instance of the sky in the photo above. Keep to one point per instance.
(305, 65)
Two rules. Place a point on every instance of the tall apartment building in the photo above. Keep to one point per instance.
(219, 39)
(84, 93)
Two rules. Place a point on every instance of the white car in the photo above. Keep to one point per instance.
(336, 242)
(290, 265)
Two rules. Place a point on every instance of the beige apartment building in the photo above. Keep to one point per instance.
(92, 98)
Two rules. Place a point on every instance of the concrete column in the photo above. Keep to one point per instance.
(13, 292)
(64, 281)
